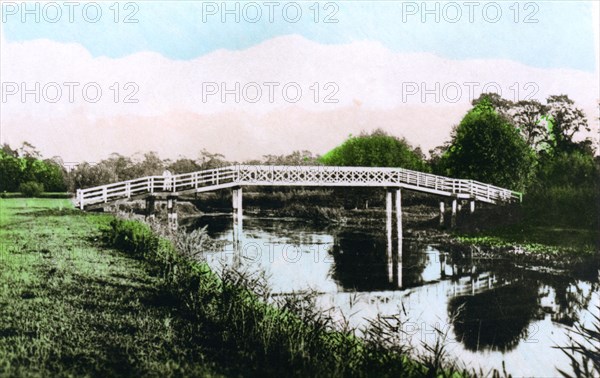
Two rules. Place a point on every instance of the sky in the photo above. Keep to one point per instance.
(81, 80)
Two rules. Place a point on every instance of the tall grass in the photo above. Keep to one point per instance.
(584, 354)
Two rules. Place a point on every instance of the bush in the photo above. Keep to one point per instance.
(132, 237)
(31, 189)
(563, 206)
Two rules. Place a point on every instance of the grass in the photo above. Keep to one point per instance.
(71, 308)
(41, 195)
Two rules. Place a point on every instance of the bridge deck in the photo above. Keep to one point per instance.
(269, 175)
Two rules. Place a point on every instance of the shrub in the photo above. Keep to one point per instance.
(563, 206)
(31, 189)
(132, 237)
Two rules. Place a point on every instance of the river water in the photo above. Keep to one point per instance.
(492, 311)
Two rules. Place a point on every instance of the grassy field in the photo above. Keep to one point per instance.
(71, 308)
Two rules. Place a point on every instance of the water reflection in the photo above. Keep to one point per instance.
(494, 319)
(494, 310)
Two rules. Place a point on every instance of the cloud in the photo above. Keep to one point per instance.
(419, 96)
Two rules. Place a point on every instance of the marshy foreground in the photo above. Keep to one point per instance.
(87, 294)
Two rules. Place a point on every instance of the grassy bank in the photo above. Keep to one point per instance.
(73, 306)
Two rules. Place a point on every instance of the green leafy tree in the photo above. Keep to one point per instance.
(11, 171)
(26, 165)
(575, 168)
(486, 147)
(377, 149)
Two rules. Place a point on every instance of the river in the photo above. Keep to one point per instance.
(491, 311)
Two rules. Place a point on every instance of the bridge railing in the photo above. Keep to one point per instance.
(298, 176)
(156, 184)
(367, 176)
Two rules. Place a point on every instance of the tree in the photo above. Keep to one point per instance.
(377, 149)
(547, 128)
(486, 147)
(565, 120)
(295, 158)
(183, 165)
(208, 160)
(11, 168)
(530, 117)
(28, 150)
(152, 165)
(503, 106)
(29, 167)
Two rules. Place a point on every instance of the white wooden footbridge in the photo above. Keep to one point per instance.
(268, 175)
(236, 177)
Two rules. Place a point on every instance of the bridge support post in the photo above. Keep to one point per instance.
(172, 212)
(453, 217)
(394, 200)
(399, 234)
(237, 215)
(472, 206)
(388, 227)
(442, 208)
(149, 210)
(399, 220)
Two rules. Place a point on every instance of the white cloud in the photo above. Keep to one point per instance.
(172, 118)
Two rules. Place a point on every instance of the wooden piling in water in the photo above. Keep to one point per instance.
(150, 207)
(393, 202)
(236, 201)
(399, 234)
(172, 212)
(453, 216)
(388, 227)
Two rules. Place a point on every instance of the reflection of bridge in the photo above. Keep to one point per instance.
(393, 179)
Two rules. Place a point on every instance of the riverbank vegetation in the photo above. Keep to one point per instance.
(560, 176)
